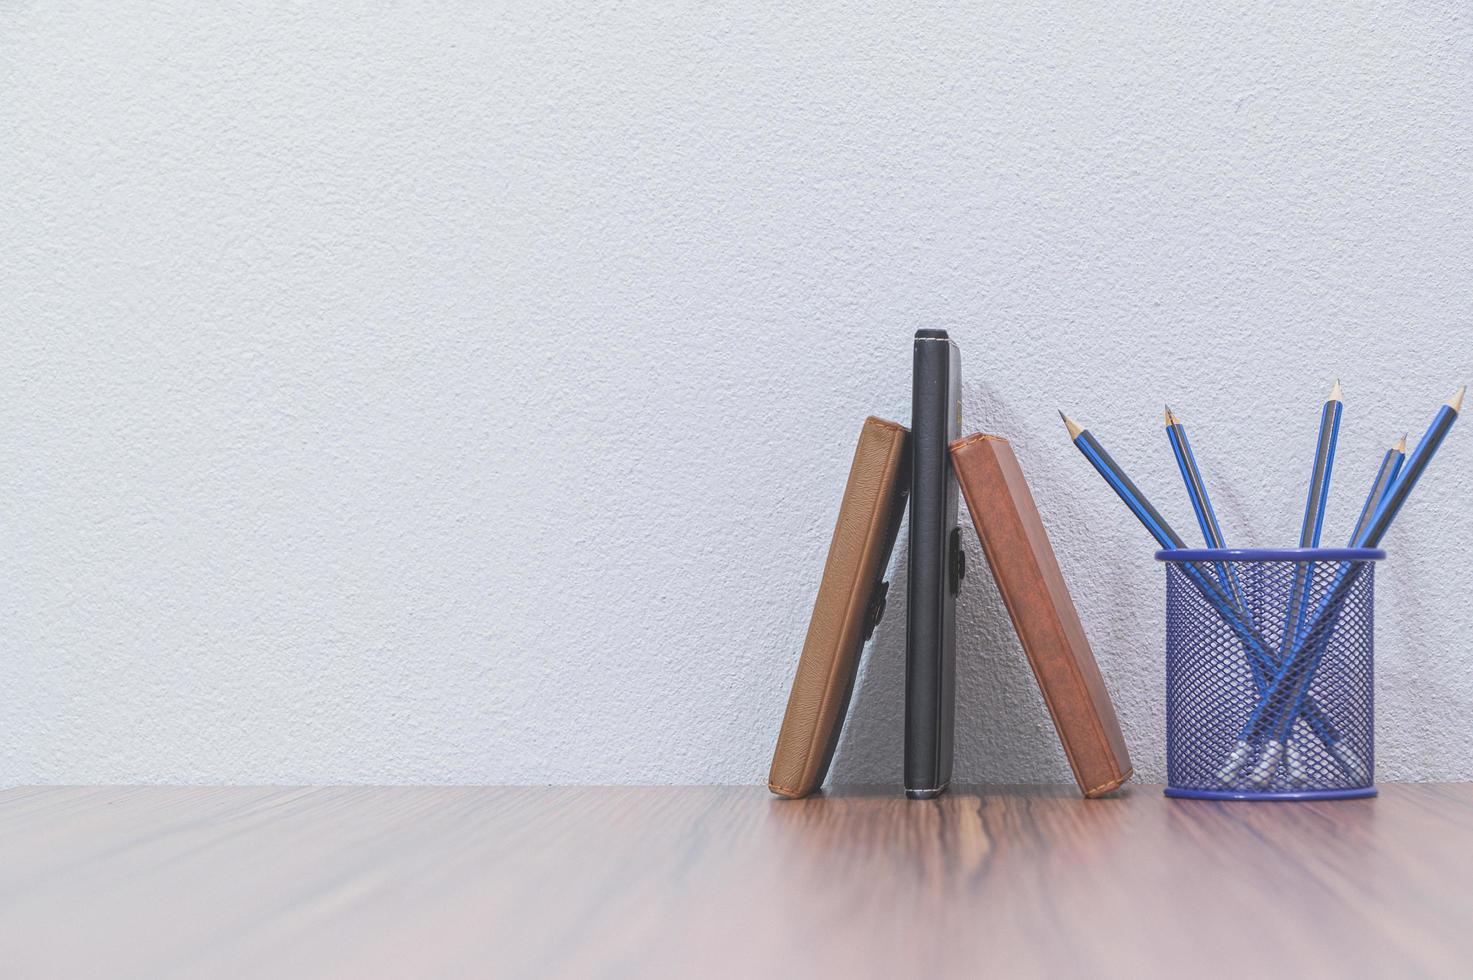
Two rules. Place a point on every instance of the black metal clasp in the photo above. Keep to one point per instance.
(876, 609)
(958, 561)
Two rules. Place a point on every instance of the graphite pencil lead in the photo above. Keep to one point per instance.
(1074, 427)
(1171, 417)
(1335, 392)
(1456, 401)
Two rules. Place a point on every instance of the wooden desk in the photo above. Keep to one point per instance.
(700, 882)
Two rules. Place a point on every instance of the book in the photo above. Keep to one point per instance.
(851, 600)
(1032, 586)
(935, 566)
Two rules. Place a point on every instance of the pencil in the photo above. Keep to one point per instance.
(1319, 478)
(1314, 512)
(1301, 664)
(1411, 471)
(1385, 477)
(1127, 491)
(1176, 432)
(1309, 537)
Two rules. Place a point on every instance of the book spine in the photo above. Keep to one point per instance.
(930, 643)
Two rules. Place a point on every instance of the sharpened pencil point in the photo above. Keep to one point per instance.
(1456, 401)
(1074, 427)
(1401, 444)
(1335, 392)
(1172, 418)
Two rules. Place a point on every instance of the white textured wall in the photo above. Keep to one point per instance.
(464, 393)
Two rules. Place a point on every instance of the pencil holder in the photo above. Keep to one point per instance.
(1269, 673)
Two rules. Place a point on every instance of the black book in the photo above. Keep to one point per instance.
(936, 566)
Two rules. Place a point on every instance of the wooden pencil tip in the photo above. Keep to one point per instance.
(1172, 418)
(1074, 427)
(1335, 392)
(1456, 401)
(1401, 444)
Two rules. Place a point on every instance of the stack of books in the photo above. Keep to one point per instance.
(930, 467)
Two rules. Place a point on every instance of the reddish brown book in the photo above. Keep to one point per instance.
(1043, 614)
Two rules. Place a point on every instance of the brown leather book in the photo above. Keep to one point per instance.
(1043, 614)
(851, 600)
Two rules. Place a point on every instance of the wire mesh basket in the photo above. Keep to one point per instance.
(1269, 673)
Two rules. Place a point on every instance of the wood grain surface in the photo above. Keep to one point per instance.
(728, 881)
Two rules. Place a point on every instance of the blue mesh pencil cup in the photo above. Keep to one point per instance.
(1269, 673)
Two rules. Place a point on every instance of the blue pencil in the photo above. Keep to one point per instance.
(1301, 664)
(1309, 537)
(1385, 478)
(1324, 463)
(1314, 513)
(1411, 471)
(1201, 502)
(1085, 441)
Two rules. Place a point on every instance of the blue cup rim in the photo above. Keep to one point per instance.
(1270, 554)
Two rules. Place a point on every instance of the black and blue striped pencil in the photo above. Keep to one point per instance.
(1314, 513)
(1309, 537)
(1124, 488)
(1385, 477)
(1411, 471)
(1181, 446)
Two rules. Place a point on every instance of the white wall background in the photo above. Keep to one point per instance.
(464, 393)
